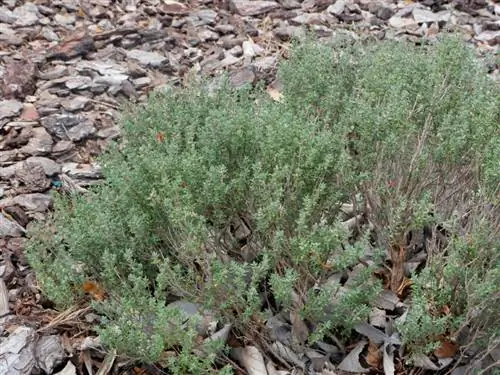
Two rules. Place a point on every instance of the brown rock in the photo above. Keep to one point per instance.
(78, 44)
(29, 113)
(18, 78)
(31, 178)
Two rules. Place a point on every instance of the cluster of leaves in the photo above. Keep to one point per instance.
(406, 131)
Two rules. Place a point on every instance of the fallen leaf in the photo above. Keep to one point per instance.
(94, 290)
(375, 335)
(251, 359)
(389, 368)
(425, 362)
(406, 283)
(446, 310)
(107, 364)
(351, 362)
(446, 349)
(300, 332)
(160, 137)
(398, 255)
(373, 357)
(274, 94)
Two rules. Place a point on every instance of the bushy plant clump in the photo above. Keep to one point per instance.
(409, 134)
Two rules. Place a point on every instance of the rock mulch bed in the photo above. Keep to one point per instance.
(66, 68)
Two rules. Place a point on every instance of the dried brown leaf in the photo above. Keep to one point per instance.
(446, 349)
(300, 332)
(374, 356)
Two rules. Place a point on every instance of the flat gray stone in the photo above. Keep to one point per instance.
(9, 228)
(60, 124)
(16, 352)
(10, 108)
(146, 58)
(49, 34)
(401, 22)
(337, 8)
(489, 36)
(40, 144)
(49, 352)
(49, 166)
(78, 82)
(64, 19)
(27, 19)
(82, 171)
(34, 202)
(253, 7)
(81, 131)
(110, 80)
(424, 16)
(6, 15)
(75, 104)
(208, 16)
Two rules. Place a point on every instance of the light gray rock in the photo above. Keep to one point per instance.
(64, 19)
(243, 77)
(265, 64)
(424, 15)
(10, 108)
(489, 36)
(49, 34)
(82, 171)
(146, 58)
(49, 353)
(225, 29)
(35, 202)
(26, 15)
(253, 7)
(81, 131)
(6, 30)
(289, 4)
(16, 352)
(78, 82)
(337, 8)
(49, 166)
(401, 22)
(113, 132)
(6, 15)
(9, 228)
(381, 11)
(208, 16)
(40, 144)
(141, 82)
(104, 68)
(76, 103)
(8, 172)
(69, 369)
(63, 147)
(60, 125)
(110, 80)
(208, 35)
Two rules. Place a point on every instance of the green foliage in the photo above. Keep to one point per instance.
(464, 279)
(389, 126)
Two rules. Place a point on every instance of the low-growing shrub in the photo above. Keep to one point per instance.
(233, 201)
